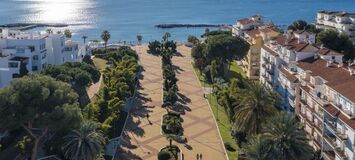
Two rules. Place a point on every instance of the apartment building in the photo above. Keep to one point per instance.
(255, 32)
(34, 50)
(341, 21)
(314, 82)
(279, 57)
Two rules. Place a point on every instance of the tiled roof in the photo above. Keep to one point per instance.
(270, 51)
(252, 33)
(326, 51)
(338, 78)
(245, 21)
(288, 75)
(303, 32)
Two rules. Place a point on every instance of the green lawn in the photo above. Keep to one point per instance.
(223, 125)
(100, 63)
(235, 69)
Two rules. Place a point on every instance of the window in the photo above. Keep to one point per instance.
(44, 55)
(333, 57)
(20, 50)
(35, 57)
(34, 68)
(13, 65)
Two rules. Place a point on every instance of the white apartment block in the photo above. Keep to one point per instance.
(341, 21)
(246, 24)
(315, 83)
(35, 50)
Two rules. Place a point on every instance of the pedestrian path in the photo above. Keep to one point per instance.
(142, 138)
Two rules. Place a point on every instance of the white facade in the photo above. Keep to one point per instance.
(246, 24)
(340, 21)
(35, 50)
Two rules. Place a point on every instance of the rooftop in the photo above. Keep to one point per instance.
(288, 75)
(338, 78)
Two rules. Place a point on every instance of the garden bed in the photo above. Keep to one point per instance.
(170, 153)
(118, 125)
(172, 124)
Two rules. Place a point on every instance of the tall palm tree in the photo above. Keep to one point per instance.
(288, 141)
(84, 37)
(105, 36)
(85, 143)
(258, 148)
(256, 105)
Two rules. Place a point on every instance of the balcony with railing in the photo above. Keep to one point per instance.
(330, 140)
(333, 128)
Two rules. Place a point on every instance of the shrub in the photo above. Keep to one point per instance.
(229, 146)
(164, 155)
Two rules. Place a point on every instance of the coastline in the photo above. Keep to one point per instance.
(28, 26)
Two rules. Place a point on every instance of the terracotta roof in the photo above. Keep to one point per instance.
(326, 51)
(245, 21)
(338, 78)
(288, 75)
(295, 44)
(332, 110)
(270, 51)
(303, 32)
(252, 33)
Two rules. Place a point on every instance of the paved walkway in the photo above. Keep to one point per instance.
(142, 137)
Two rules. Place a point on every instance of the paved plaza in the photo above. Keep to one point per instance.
(142, 137)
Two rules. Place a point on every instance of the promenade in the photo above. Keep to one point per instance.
(142, 136)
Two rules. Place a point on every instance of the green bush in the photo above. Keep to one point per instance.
(229, 147)
(164, 155)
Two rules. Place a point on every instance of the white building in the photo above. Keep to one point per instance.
(341, 21)
(34, 50)
(246, 24)
(315, 83)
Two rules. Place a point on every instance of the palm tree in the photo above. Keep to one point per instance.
(85, 143)
(256, 105)
(288, 141)
(166, 36)
(49, 31)
(105, 36)
(258, 148)
(139, 39)
(67, 33)
(84, 37)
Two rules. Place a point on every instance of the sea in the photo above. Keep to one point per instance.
(125, 19)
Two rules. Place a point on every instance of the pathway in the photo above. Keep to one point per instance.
(143, 139)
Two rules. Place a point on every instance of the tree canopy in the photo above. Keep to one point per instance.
(303, 25)
(336, 41)
(40, 105)
(76, 73)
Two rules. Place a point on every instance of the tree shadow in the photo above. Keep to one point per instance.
(178, 69)
(122, 154)
(178, 54)
(184, 99)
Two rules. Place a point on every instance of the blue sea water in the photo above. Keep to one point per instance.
(127, 18)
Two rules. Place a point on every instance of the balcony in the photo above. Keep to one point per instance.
(334, 130)
(328, 155)
(340, 152)
(330, 140)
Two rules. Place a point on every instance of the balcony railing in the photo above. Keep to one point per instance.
(339, 134)
(330, 140)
